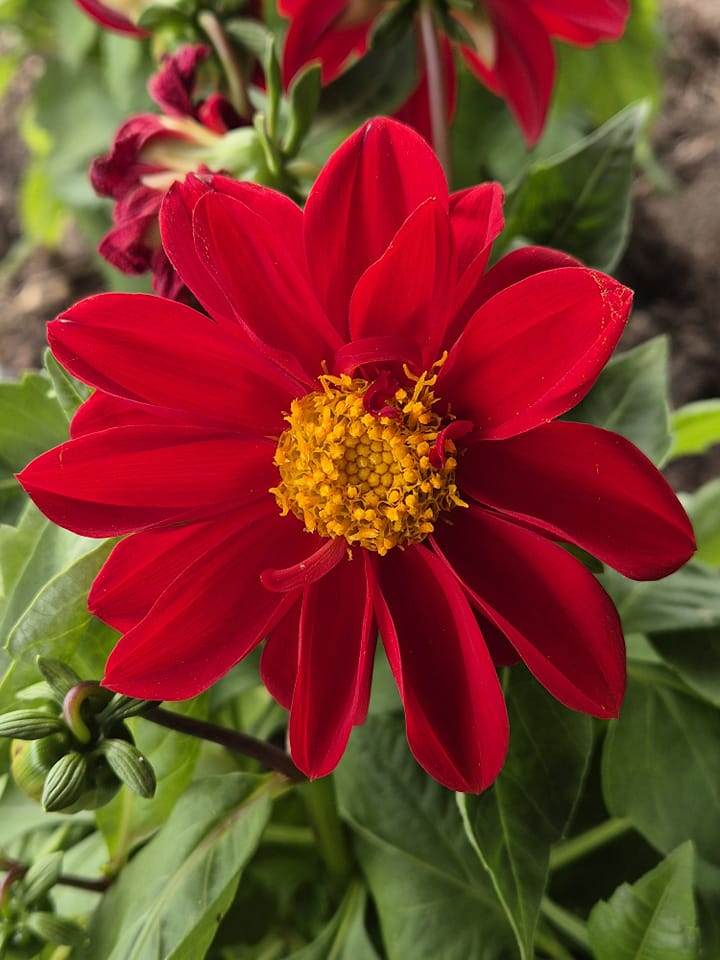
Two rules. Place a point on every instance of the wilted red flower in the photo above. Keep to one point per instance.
(149, 153)
(512, 54)
(362, 438)
(119, 15)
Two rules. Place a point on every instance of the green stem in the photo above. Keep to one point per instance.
(286, 835)
(233, 71)
(552, 947)
(320, 803)
(260, 750)
(585, 843)
(567, 923)
(437, 95)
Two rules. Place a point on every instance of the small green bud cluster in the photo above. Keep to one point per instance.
(73, 750)
(27, 920)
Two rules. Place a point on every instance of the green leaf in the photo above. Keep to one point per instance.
(630, 397)
(696, 427)
(703, 508)
(513, 824)
(128, 819)
(31, 420)
(686, 600)
(661, 764)
(345, 937)
(433, 896)
(57, 623)
(31, 554)
(654, 919)
(579, 201)
(171, 897)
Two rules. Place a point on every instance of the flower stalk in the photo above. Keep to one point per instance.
(265, 753)
(437, 95)
(586, 843)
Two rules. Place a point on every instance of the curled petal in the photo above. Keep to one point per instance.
(308, 570)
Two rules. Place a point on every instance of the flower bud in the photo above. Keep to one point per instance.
(53, 929)
(32, 760)
(130, 766)
(41, 877)
(29, 724)
(65, 783)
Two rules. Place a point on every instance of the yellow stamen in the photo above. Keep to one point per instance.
(346, 472)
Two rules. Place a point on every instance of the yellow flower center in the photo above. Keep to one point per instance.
(376, 478)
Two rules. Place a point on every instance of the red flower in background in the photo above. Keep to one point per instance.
(149, 153)
(362, 438)
(513, 54)
(117, 15)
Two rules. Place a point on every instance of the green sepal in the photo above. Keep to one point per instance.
(304, 97)
(31, 760)
(42, 877)
(65, 783)
(130, 766)
(53, 929)
(453, 29)
(58, 676)
(29, 724)
(122, 707)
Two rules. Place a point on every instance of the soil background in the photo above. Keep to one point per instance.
(672, 260)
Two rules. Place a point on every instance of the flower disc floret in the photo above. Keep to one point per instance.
(374, 478)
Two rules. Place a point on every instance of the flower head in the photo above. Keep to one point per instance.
(362, 440)
(510, 51)
(150, 152)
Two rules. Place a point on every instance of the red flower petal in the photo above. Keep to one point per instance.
(407, 291)
(337, 643)
(313, 36)
(265, 279)
(474, 290)
(200, 627)
(364, 193)
(102, 411)
(121, 480)
(109, 18)
(584, 23)
(534, 350)
(455, 714)
(142, 566)
(161, 352)
(278, 664)
(551, 609)
(588, 486)
(523, 73)
(177, 232)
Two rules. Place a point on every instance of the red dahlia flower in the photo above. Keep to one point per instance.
(361, 439)
(119, 15)
(151, 151)
(512, 54)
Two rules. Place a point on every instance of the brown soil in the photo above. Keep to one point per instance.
(671, 261)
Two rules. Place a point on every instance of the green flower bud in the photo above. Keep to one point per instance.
(31, 761)
(29, 724)
(130, 766)
(52, 929)
(65, 783)
(41, 877)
